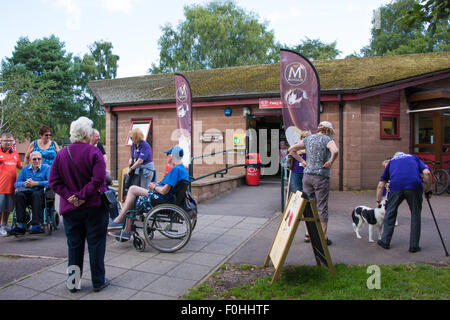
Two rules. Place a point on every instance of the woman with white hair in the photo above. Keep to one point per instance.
(145, 199)
(77, 175)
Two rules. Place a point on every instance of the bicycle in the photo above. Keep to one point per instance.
(440, 177)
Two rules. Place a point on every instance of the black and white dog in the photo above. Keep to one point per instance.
(374, 217)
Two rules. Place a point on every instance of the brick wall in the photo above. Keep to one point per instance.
(164, 137)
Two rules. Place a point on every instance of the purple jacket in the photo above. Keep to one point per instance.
(84, 182)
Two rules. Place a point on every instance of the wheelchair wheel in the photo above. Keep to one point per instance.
(139, 243)
(167, 228)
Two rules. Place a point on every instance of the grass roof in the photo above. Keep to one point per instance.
(340, 75)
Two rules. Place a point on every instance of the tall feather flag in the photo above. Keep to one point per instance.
(183, 96)
(300, 95)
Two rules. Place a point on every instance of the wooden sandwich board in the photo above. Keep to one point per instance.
(299, 208)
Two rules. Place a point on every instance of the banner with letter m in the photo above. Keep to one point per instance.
(300, 95)
(183, 97)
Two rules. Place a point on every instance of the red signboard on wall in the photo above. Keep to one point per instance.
(270, 103)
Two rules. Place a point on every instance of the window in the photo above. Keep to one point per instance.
(144, 125)
(390, 115)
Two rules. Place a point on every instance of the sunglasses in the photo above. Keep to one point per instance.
(36, 159)
(48, 135)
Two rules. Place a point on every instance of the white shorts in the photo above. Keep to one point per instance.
(6, 202)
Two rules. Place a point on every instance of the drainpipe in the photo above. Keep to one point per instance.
(341, 142)
(116, 120)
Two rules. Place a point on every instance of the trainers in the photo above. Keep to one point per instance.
(103, 286)
(3, 232)
(16, 231)
(115, 226)
(120, 235)
(36, 229)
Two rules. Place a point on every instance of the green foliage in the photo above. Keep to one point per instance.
(51, 68)
(25, 106)
(317, 50)
(430, 11)
(54, 86)
(216, 35)
(392, 37)
(99, 63)
(401, 282)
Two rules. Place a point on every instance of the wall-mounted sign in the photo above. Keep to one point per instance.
(270, 103)
(239, 141)
(211, 137)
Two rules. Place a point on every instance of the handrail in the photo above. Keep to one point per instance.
(222, 172)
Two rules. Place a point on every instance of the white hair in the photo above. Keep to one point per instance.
(80, 129)
(95, 131)
(35, 153)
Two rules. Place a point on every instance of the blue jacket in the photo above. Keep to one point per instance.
(41, 175)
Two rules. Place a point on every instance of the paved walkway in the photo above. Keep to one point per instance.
(237, 227)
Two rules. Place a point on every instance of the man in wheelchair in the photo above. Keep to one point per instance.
(144, 199)
(29, 191)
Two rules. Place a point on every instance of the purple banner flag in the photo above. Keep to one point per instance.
(300, 95)
(183, 99)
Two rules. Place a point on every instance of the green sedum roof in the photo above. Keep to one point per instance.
(264, 80)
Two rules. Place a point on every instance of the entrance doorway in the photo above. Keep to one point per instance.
(431, 136)
(268, 131)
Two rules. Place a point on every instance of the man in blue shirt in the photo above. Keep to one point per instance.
(29, 191)
(144, 199)
(404, 173)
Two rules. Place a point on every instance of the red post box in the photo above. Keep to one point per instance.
(253, 169)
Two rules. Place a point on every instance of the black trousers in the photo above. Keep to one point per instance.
(89, 224)
(35, 198)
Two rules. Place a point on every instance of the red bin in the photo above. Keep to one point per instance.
(253, 169)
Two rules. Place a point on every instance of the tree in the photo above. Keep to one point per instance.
(25, 106)
(216, 35)
(99, 63)
(317, 50)
(390, 37)
(430, 11)
(51, 68)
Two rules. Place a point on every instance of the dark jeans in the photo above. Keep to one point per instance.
(296, 182)
(414, 199)
(89, 224)
(35, 198)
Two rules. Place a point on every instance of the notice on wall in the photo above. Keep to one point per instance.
(239, 141)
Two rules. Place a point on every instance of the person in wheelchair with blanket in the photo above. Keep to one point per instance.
(145, 199)
(29, 191)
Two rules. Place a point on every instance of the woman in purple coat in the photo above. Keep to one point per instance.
(77, 175)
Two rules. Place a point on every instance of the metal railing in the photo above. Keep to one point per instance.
(222, 171)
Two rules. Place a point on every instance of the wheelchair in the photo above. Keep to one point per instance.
(167, 227)
(50, 217)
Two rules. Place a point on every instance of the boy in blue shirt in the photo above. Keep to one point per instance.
(144, 199)
(404, 173)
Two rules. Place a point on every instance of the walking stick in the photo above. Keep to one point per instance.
(435, 222)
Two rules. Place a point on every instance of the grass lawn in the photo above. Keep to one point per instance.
(397, 282)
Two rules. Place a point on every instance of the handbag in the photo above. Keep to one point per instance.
(289, 162)
(108, 197)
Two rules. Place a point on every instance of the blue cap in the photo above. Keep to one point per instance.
(177, 152)
(168, 151)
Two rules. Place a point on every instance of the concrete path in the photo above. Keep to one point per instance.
(224, 225)
(239, 228)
